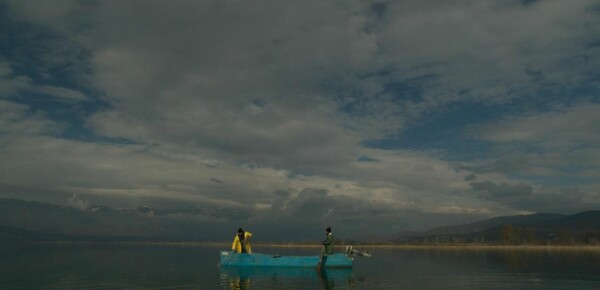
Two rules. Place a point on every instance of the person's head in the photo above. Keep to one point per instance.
(328, 230)
(240, 231)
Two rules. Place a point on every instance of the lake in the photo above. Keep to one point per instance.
(105, 266)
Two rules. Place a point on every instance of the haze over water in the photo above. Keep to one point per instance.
(54, 266)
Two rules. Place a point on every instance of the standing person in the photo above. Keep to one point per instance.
(328, 242)
(327, 248)
(241, 242)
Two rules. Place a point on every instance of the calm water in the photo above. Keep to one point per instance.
(162, 267)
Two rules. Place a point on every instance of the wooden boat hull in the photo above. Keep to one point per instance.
(229, 258)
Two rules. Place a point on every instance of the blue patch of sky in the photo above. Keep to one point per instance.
(378, 8)
(365, 158)
(444, 131)
(259, 103)
(354, 100)
(439, 131)
(401, 89)
(48, 59)
(383, 72)
(593, 44)
(409, 90)
(377, 11)
(31, 50)
(71, 114)
(528, 2)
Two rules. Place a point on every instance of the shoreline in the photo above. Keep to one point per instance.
(226, 245)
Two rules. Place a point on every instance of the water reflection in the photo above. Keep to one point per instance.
(42, 266)
(517, 261)
(241, 278)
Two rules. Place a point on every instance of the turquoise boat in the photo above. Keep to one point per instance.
(233, 259)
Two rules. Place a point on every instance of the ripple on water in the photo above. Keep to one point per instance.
(148, 267)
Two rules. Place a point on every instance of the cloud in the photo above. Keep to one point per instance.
(552, 153)
(490, 52)
(38, 166)
(15, 121)
(242, 91)
(11, 84)
(76, 202)
(540, 199)
(270, 139)
(390, 190)
(5, 69)
(15, 87)
(38, 12)
(377, 67)
(502, 192)
(306, 215)
(267, 107)
(255, 100)
(560, 142)
(60, 93)
(576, 125)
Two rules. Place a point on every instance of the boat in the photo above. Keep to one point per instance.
(229, 258)
(280, 277)
(243, 273)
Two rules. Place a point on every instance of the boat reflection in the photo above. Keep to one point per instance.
(240, 278)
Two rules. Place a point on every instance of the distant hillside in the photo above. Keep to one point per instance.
(581, 222)
(583, 227)
(22, 220)
(34, 221)
(494, 222)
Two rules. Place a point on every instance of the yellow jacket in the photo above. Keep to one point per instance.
(237, 244)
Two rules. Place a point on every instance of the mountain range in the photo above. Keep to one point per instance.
(583, 227)
(26, 220)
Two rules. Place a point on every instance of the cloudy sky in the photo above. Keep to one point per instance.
(370, 116)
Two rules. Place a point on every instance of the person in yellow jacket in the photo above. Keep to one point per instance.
(241, 242)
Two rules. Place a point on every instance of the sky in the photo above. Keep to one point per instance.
(372, 117)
